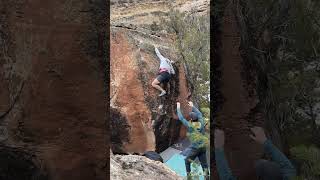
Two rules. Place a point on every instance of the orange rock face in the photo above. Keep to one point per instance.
(134, 101)
(134, 65)
(52, 85)
(130, 93)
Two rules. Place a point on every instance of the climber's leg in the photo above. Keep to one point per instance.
(165, 80)
(163, 77)
(156, 84)
(191, 154)
(203, 161)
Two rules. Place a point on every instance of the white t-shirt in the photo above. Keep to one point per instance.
(165, 63)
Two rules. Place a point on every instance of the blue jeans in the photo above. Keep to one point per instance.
(192, 153)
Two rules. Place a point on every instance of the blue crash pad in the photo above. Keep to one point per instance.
(177, 164)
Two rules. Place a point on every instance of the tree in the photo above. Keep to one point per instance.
(287, 65)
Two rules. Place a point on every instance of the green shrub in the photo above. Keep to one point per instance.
(309, 159)
(193, 44)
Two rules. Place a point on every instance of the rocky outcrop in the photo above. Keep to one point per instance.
(134, 66)
(138, 167)
(134, 101)
(52, 109)
(143, 13)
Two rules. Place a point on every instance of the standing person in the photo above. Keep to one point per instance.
(165, 71)
(280, 168)
(197, 148)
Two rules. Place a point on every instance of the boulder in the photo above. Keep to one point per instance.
(130, 167)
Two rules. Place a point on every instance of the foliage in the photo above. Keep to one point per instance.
(206, 112)
(283, 45)
(309, 160)
(154, 26)
(198, 137)
(193, 43)
(196, 174)
(288, 68)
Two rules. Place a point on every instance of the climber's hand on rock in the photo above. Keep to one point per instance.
(178, 105)
(190, 103)
(258, 135)
(218, 138)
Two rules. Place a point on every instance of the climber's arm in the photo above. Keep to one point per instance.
(181, 118)
(159, 54)
(224, 171)
(199, 115)
(277, 156)
(222, 165)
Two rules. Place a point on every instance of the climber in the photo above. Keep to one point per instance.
(280, 168)
(197, 148)
(165, 71)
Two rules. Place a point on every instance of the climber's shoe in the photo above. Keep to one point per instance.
(162, 93)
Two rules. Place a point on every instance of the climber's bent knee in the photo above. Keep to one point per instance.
(155, 82)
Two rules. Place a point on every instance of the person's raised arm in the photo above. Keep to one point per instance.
(198, 113)
(159, 54)
(224, 171)
(287, 169)
(181, 118)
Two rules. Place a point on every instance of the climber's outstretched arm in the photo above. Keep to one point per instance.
(159, 54)
(224, 171)
(198, 113)
(181, 118)
(287, 169)
(277, 156)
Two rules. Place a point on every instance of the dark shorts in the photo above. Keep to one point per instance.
(164, 77)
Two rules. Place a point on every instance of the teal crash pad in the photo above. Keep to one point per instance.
(176, 164)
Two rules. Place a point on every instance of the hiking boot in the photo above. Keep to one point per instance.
(162, 93)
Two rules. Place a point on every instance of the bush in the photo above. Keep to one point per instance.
(286, 66)
(309, 160)
(193, 44)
